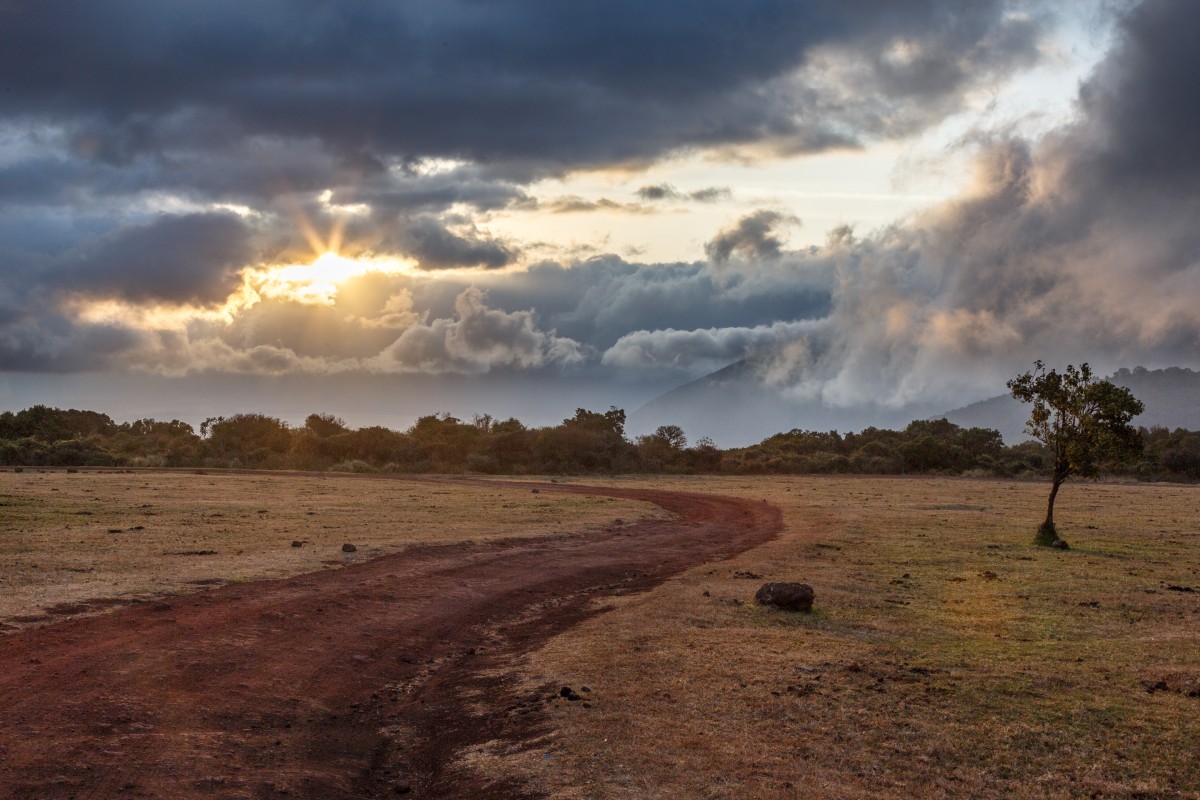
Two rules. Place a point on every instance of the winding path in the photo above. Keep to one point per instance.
(360, 682)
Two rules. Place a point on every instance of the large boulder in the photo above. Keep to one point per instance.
(788, 596)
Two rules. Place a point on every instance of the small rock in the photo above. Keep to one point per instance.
(404, 787)
(988, 575)
(747, 575)
(297, 543)
(1174, 588)
(1060, 544)
(707, 593)
(788, 596)
(568, 693)
(535, 491)
(349, 548)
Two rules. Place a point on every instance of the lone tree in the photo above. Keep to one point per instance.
(1084, 422)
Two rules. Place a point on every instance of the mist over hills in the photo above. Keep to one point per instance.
(734, 407)
(1172, 398)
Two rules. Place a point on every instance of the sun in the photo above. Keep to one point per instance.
(317, 282)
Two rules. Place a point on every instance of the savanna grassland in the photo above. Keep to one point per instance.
(946, 655)
(78, 542)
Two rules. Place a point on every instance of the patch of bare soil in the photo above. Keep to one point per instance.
(362, 682)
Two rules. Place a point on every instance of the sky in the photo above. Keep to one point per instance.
(384, 209)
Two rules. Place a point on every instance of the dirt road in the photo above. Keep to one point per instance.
(359, 682)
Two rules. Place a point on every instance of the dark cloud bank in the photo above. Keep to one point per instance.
(1079, 246)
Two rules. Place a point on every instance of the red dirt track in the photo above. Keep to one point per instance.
(360, 682)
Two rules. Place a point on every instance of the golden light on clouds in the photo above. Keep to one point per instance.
(317, 283)
(111, 311)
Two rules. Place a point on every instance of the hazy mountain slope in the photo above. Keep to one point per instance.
(734, 407)
(1172, 398)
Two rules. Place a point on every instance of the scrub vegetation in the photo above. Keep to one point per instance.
(590, 442)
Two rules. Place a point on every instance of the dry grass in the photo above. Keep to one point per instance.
(69, 542)
(947, 656)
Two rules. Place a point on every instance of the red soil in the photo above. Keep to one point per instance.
(359, 682)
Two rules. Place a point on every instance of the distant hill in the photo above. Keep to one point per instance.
(735, 407)
(1172, 398)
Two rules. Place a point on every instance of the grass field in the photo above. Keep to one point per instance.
(946, 656)
(74, 543)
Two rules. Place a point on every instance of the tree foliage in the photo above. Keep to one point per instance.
(1083, 422)
(590, 442)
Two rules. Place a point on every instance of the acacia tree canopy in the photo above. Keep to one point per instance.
(1083, 421)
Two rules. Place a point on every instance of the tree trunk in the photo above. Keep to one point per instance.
(1047, 534)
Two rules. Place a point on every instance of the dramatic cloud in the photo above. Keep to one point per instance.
(752, 237)
(435, 246)
(1080, 247)
(151, 154)
(707, 349)
(192, 258)
(478, 339)
(581, 82)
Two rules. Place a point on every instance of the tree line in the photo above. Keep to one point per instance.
(590, 442)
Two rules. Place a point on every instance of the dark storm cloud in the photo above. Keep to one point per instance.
(175, 259)
(599, 300)
(537, 81)
(406, 189)
(1146, 103)
(753, 236)
(51, 343)
(435, 246)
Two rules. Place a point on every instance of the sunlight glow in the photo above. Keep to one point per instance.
(317, 283)
(154, 318)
